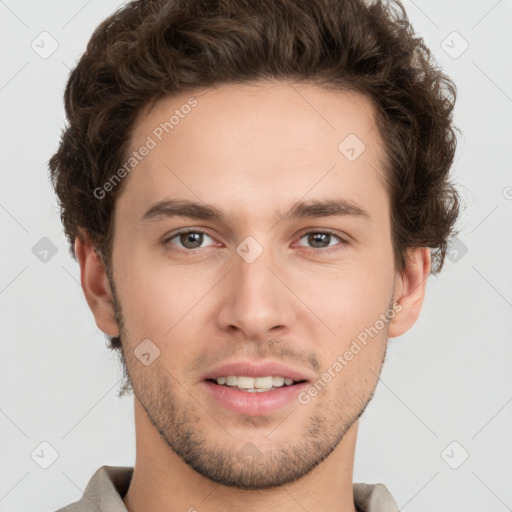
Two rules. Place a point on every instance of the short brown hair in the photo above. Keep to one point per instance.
(148, 50)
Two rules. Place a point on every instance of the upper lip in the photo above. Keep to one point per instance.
(253, 369)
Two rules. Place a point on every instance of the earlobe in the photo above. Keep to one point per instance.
(94, 281)
(410, 290)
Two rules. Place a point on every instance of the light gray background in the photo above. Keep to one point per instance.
(448, 379)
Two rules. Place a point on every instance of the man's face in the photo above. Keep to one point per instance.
(258, 286)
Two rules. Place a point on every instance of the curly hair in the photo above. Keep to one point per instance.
(151, 49)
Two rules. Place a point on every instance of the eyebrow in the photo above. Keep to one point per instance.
(169, 208)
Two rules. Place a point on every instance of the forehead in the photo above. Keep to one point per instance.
(255, 147)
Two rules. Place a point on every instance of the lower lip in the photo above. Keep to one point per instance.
(254, 404)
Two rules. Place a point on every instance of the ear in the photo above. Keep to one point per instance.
(95, 285)
(410, 290)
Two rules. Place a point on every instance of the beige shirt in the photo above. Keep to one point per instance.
(109, 484)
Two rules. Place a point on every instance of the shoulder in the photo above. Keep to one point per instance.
(373, 498)
(105, 491)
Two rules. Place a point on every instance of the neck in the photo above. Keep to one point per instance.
(162, 481)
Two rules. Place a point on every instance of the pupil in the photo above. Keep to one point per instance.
(322, 237)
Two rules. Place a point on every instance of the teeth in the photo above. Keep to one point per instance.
(278, 381)
(245, 382)
(263, 382)
(254, 384)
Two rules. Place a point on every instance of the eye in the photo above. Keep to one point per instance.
(189, 240)
(193, 239)
(321, 240)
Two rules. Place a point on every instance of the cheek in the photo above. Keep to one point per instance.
(152, 299)
(353, 308)
(350, 301)
(165, 302)
(348, 297)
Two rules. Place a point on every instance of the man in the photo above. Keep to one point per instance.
(256, 194)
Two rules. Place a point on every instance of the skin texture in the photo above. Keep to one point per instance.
(252, 151)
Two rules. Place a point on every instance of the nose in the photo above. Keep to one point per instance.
(256, 300)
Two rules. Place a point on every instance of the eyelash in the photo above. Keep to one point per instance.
(328, 249)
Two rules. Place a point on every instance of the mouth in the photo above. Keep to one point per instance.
(254, 388)
(247, 384)
(253, 396)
